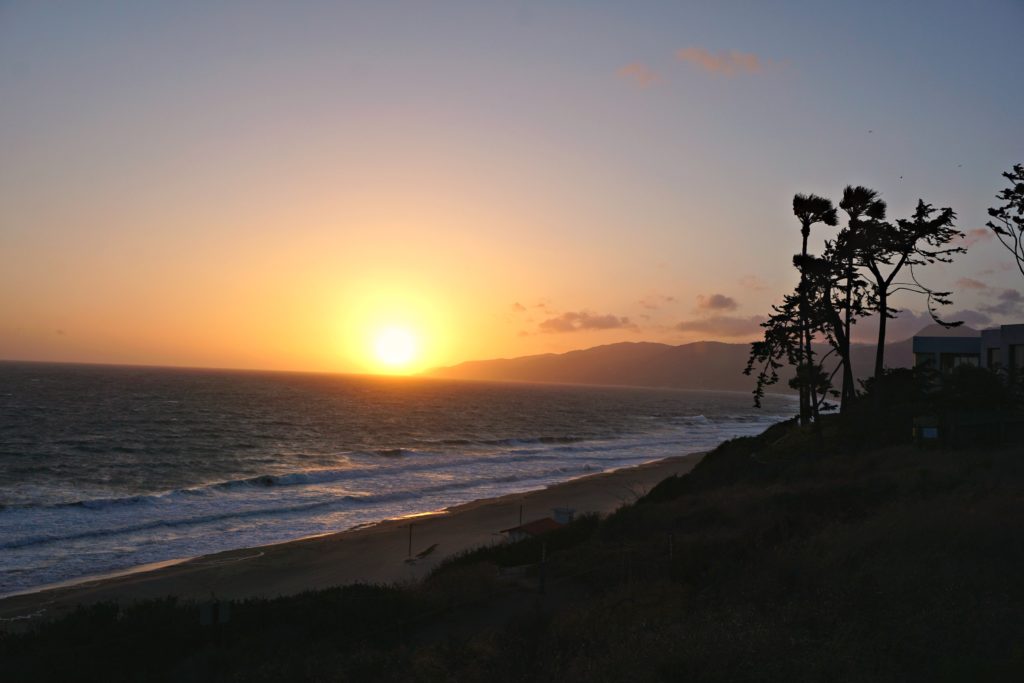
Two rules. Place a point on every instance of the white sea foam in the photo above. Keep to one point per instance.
(91, 536)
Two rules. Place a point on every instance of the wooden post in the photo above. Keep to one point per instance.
(543, 563)
(671, 555)
(410, 540)
(520, 514)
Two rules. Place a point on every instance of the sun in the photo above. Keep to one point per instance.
(395, 347)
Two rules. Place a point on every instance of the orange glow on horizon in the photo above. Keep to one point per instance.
(393, 331)
(395, 347)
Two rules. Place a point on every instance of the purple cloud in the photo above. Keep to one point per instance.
(716, 302)
(575, 321)
(971, 283)
(723, 325)
(640, 74)
(725, 63)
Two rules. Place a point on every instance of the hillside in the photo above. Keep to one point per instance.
(698, 365)
(776, 559)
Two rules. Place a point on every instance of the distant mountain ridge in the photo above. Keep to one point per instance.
(697, 365)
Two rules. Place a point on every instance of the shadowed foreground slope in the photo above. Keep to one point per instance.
(775, 559)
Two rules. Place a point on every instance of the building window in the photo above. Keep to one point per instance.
(923, 359)
(994, 357)
(949, 361)
(1017, 356)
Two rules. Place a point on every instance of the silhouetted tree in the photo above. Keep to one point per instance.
(782, 344)
(827, 277)
(863, 208)
(920, 240)
(809, 210)
(833, 294)
(1009, 218)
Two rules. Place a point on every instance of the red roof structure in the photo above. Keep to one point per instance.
(534, 528)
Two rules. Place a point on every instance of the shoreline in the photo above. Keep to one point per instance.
(373, 553)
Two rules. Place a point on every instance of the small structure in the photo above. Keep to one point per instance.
(531, 529)
(564, 515)
(926, 430)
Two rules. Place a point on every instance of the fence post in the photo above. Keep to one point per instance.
(543, 565)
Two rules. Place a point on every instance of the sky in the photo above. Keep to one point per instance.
(272, 185)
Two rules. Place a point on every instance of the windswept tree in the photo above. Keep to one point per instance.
(835, 309)
(809, 210)
(864, 209)
(834, 292)
(1009, 218)
(920, 240)
(782, 345)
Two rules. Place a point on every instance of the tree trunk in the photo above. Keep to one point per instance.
(848, 389)
(806, 397)
(883, 318)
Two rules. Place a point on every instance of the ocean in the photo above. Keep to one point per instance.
(104, 468)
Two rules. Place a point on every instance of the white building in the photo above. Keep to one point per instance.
(1003, 347)
(999, 347)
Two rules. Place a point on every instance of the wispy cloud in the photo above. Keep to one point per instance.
(908, 322)
(575, 321)
(975, 235)
(971, 283)
(753, 283)
(653, 302)
(1009, 302)
(518, 307)
(1000, 268)
(640, 74)
(725, 63)
(716, 302)
(723, 325)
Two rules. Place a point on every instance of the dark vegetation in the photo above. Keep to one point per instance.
(1008, 218)
(844, 553)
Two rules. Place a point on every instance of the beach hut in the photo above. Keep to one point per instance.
(531, 529)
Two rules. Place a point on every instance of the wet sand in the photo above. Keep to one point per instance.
(378, 553)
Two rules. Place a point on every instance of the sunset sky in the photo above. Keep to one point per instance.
(273, 185)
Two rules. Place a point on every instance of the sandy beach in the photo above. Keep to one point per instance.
(374, 554)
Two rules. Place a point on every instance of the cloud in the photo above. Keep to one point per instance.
(971, 283)
(907, 323)
(575, 321)
(725, 63)
(975, 235)
(716, 302)
(1001, 268)
(971, 318)
(518, 307)
(655, 301)
(640, 74)
(724, 325)
(1010, 302)
(753, 283)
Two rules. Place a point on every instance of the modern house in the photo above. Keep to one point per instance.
(946, 353)
(1003, 347)
(1000, 347)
